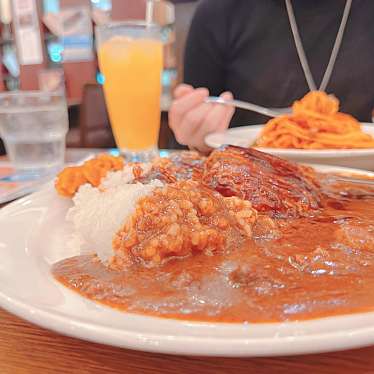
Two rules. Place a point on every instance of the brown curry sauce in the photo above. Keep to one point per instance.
(319, 266)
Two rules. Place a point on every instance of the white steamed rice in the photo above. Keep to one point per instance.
(98, 213)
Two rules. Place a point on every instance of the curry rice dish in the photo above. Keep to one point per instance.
(239, 236)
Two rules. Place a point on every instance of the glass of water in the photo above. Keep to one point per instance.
(33, 126)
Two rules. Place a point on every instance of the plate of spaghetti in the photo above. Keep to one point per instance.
(315, 132)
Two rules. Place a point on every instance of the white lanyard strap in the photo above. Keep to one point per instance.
(300, 49)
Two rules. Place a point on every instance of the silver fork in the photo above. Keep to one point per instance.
(270, 112)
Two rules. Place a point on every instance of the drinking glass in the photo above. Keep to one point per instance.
(33, 126)
(131, 60)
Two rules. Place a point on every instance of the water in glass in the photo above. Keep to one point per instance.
(34, 133)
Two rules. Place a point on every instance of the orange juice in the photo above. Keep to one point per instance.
(132, 87)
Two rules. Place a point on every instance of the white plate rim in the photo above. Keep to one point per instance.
(213, 143)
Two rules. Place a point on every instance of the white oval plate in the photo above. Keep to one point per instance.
(34, 235)
(246, 135)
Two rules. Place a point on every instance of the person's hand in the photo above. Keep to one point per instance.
(191, 119)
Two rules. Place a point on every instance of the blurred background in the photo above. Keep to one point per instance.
(49, 45)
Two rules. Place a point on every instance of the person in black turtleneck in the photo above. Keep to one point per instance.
(246, 49)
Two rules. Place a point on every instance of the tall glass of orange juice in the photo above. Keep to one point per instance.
(130, 58)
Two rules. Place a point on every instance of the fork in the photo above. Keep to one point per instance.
(270, 112)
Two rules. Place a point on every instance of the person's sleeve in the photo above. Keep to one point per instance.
(204, 61)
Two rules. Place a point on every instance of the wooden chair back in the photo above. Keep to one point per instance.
(95, 130)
